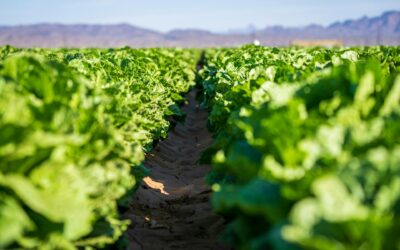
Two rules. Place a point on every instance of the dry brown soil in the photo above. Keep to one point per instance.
(171, 209)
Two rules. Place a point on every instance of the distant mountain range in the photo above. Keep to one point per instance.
(384, 29)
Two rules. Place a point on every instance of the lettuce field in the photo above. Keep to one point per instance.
(305, 151)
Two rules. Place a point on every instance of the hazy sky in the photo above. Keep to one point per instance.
(216, 15)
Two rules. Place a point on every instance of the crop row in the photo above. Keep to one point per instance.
(307, 146)
(74, 127)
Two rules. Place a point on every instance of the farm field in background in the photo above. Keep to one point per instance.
(305, 151)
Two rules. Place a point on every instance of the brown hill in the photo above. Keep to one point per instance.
(384, 29)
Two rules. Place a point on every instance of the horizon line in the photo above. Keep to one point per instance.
(229, 30)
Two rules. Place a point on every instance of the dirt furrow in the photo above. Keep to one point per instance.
(171, 209)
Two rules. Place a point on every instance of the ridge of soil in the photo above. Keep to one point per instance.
(171, 208)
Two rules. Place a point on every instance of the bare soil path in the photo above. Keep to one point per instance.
(171, 209)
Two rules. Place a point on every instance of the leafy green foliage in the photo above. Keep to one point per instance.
(307, 146)
(74, 128)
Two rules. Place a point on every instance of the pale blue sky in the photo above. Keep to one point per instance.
(215, 15)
